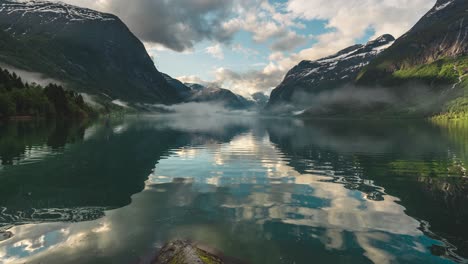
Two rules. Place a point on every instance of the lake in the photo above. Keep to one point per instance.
(260, 190)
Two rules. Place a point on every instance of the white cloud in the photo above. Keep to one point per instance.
(273, 26)
(216, 51)
(352, 18)
(348, 21)
(198, 80)
(177, 25)
(263, 20)
(239, 48)
(288, 42)
(248, 82)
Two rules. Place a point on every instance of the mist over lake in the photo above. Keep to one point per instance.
(233, 131)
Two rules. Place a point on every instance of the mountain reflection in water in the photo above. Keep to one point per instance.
(261, 190)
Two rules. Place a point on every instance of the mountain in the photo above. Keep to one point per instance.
(422, 74)
(312, 77)
(181, 89)
(216, 94)
(434, 53)
(89, 51)
(260, 99)
(440, 34)
(193, 92)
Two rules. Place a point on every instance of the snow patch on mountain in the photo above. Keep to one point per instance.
(329, 72)
(440, 7)
(342, 64)
(54, 9)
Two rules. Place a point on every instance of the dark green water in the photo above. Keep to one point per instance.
(259, 190)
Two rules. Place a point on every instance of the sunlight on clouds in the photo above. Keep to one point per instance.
(187, 153)
(216, 51)
(274, 27)
(104, 227)
(31, 245)
(377, 255)
(296, 199)
(348, 21)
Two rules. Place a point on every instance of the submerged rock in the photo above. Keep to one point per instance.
(183, 252)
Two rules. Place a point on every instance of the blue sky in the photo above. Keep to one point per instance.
(243, 54)
(249, 45)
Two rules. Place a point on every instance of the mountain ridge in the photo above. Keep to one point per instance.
(328, 72)
(194, 92)
(441, 33)
(90, 51)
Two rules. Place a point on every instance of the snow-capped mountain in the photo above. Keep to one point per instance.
(88, 51)
(440, 5)
(329, 72)
(51, 11)
(440, 34)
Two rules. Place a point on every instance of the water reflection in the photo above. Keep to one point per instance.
(421, 163)
(23, 141)
(329, 191)
(77, 182)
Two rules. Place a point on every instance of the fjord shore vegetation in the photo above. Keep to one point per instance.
(19, 99)
(445, 77)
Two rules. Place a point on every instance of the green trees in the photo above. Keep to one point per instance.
(18, 98)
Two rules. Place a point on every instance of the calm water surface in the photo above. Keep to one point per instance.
(259, 190)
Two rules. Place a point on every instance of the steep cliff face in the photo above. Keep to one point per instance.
(331, 72)
(441, 34)
(90, 51)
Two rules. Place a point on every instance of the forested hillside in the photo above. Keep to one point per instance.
(18, 98)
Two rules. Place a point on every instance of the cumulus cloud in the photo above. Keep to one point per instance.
(288, 42)
(238, 48)
(180, 24)
(273, 25)
(244, 83)
(216, 51)
(175, 24)
(248, 82)
(263, 20)
(347, 22)
(197, 80)
(350, 20)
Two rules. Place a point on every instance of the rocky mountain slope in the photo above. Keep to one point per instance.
(441, 33)
(89, 51)
(423, 73)
(331, 72)
(434, 53)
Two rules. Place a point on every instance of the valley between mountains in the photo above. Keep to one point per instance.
(420, 74)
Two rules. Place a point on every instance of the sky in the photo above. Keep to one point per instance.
(249, 45)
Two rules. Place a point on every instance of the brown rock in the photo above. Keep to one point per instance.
(184, 252)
